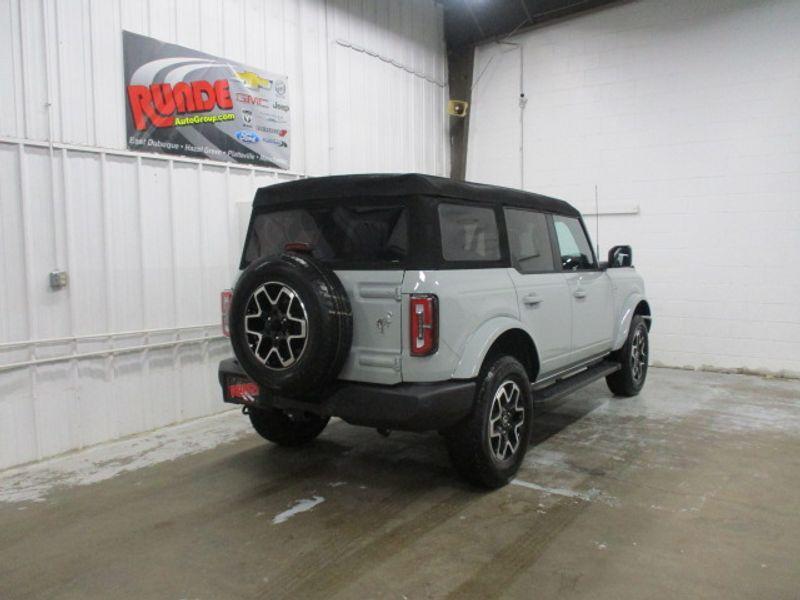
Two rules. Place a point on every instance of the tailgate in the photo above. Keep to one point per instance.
(377, 326)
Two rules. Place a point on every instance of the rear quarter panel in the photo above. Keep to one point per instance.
(468, 298)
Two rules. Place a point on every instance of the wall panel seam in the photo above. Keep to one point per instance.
(132, 154)
(391, 61)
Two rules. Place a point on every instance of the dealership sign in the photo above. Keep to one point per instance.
(181, 101)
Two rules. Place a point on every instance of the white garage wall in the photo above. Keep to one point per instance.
(685, 115)
(149, 241)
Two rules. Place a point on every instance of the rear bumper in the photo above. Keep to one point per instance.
(405, 406)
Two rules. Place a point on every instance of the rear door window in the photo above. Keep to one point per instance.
(529, 241)
(469, 233)
(362, 235)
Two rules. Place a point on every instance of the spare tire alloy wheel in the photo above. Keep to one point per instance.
(291, 325)
(276, 324)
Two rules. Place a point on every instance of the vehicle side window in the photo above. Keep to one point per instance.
(576, 251)
(528, 240)
(469, 233)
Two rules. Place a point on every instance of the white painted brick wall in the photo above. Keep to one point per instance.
(690, 111)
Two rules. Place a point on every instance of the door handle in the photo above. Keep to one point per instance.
(579, 294)
(532, 299)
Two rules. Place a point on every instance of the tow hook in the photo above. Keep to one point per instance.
(384, 432)
(245, 409)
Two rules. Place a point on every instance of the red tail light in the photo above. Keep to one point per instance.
(225, 304)
(424, 322)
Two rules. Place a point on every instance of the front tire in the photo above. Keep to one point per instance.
(286, 429)
(633, 356)
(487, 447)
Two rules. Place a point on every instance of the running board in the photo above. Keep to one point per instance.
(566, 386)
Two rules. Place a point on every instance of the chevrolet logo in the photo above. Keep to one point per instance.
(253, 81)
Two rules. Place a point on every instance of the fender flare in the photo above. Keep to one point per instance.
(477, 345)
(626, 316)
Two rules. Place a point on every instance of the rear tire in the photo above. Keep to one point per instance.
(487, 447)
(286, 429)
(633, 356)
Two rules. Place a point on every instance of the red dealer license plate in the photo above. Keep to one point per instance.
(243, 390)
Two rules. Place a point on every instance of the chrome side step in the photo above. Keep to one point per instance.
(566, 386)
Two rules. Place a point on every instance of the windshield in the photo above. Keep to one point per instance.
(345, 236)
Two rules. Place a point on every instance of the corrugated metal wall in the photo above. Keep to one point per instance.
(148, 241)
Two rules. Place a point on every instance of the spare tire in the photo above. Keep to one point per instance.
(291, 324)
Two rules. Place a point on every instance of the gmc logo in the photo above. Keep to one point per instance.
(248, 99)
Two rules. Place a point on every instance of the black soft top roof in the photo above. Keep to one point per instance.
(384, 185)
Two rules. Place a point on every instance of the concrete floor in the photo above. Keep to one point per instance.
(690, 490)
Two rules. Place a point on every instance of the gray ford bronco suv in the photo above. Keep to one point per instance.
(420, 303)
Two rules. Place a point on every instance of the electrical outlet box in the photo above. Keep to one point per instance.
(58, 280)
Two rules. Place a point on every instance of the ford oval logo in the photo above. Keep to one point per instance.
(248, 137)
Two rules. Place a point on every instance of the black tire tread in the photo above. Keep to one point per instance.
(621, 383)
(276, 426)
(465, 442)
(344, 313)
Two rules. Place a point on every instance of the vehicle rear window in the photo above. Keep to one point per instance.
(343, 235)
(469, 233)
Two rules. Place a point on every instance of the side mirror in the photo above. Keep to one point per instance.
(620, 256)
